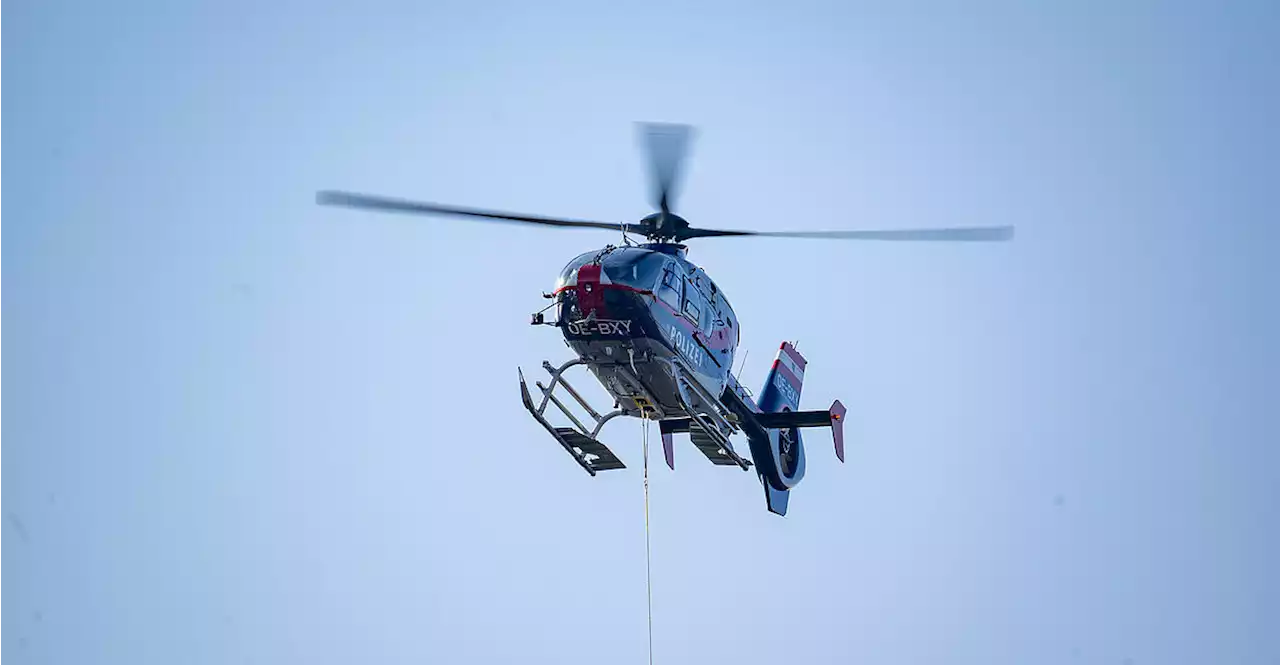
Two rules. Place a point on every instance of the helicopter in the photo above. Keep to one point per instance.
(660, 335)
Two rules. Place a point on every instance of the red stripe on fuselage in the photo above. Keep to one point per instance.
(720, 340)
(606, 287)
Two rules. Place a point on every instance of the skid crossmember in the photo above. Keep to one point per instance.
(578, 441)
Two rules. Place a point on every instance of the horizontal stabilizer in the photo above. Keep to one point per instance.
(833, 418)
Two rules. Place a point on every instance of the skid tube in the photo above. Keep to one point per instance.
(579, 441)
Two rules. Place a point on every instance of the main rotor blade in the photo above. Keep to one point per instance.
(666, 145)
(955, 234)
(385, 204)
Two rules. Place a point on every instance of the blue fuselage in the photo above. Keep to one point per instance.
(643, 307)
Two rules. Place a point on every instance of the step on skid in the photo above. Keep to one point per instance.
(579, 441)
(709, 431)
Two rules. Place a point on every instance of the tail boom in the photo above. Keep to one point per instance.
(773, 426)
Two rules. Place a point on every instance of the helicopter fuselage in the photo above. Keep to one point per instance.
(647, 313)
(660, 337)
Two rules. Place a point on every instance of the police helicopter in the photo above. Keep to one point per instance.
(660, 336)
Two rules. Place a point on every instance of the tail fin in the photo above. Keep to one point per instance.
(786, 378)
(781, 392)
(776, 500)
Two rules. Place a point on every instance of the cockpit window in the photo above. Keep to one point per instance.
(577, 262)
(669, 289)
(630, 266)
(633, 267)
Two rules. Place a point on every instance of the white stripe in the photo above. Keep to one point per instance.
(791, 364)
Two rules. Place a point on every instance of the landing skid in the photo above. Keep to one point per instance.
(579, 441)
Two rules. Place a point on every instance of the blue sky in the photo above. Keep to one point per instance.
(242, 428)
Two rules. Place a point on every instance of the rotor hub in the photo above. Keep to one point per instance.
(663, 226)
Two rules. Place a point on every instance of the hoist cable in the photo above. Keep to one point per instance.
(648, 571)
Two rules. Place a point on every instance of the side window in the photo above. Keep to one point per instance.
(691, 309)
(669, 290)
(693, 302)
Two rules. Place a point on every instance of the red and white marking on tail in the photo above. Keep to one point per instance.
(790, 364)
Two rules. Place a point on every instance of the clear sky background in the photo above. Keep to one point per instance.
(242, 428)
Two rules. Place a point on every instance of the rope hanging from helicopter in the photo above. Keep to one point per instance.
(648, 571)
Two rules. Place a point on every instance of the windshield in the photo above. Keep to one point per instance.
(637, 268)
(570, 269)
(630, 266)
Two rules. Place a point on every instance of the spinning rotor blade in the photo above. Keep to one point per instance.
(955, 234)
(667, 145)
(384, 204)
